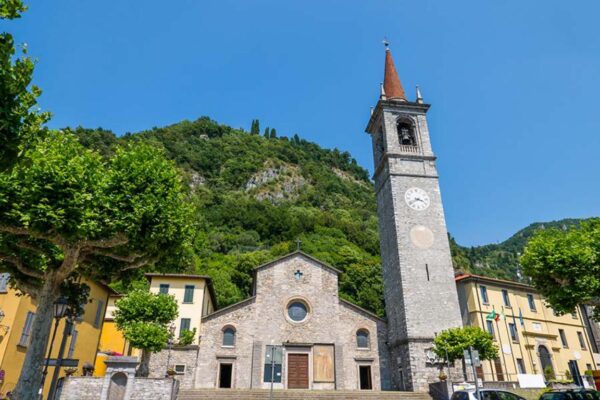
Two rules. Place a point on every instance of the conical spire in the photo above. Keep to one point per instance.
(391, 82)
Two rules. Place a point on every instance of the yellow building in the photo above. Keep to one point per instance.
(195, 298)
(112, 342)
(531, 338)
(15, 332)
(194, 295)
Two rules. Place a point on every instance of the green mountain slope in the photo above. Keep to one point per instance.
(257, 196)
(501, 260)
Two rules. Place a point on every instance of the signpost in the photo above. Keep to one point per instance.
(471, 358)
(65, 362)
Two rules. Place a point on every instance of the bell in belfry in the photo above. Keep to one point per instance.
(406, 138)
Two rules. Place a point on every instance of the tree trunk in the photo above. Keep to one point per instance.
(31, 373)
(464, 368)
(144, 368)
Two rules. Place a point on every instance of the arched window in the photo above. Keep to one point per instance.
(362, 339)
(229, 336)
(406, 133)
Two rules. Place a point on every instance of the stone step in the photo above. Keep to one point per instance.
(262, 394)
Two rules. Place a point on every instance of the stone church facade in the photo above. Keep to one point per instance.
(296, 326)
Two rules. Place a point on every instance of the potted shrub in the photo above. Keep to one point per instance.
(88, 369)
(443, 376)
(170, 372)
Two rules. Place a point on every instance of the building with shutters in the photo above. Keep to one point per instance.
(17, 313)
(195, 298)
(531, 338)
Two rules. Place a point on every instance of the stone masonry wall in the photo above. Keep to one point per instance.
(155, 389)
(263, 320)
(82, 388)
(419, 288)
(187, 356)
(90, 388)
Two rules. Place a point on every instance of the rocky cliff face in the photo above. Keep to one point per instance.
(276, 182)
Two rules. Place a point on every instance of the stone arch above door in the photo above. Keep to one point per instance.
(545, 358)
(118, 386)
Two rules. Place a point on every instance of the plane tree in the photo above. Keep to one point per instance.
(564, 266)
(65, 211)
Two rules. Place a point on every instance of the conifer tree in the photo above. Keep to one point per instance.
(273, 133)
(267, 133)
(255, 128)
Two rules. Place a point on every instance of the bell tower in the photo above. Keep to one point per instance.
(420, 293)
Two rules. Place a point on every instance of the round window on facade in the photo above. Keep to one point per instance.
(297, 310)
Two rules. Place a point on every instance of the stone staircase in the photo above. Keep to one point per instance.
(261, 394)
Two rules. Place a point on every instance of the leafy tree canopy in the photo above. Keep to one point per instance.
(20, 118)
(67, 212)
(453, 342)
(144, 319)
(564, 266)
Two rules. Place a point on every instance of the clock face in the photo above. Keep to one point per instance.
(417, 199)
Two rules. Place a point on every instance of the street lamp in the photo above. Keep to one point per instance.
(170, 342)
(60, 309)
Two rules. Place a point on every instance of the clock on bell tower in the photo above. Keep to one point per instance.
(420, 293)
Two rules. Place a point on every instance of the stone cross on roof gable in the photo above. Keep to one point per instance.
(298, 274)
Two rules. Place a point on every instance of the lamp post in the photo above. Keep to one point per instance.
(272, 370)
(60, 309)
(170, 342)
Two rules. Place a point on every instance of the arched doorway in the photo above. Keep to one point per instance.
(545, 358)
(118, 384)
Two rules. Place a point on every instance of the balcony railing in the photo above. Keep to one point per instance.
(409, 149)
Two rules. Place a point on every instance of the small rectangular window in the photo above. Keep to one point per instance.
(4, 282)
(188, 296)
(163, 288)
(72, 344)
(99, 314)
(521, 366)
(581, 340)
(505, 297)
(185, 325)
(484, 294)
(563, 338)
(574, 314)
(180, 369)
(490, 328)
(514, 335)
(531, 302)
(26, 333)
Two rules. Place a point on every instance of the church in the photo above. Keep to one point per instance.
(295, 332)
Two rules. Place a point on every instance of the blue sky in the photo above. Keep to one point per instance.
(513, 85)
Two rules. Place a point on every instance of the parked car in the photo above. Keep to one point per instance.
(488, 394)
(571, 394)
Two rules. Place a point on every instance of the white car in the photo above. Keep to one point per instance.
(485, 394)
